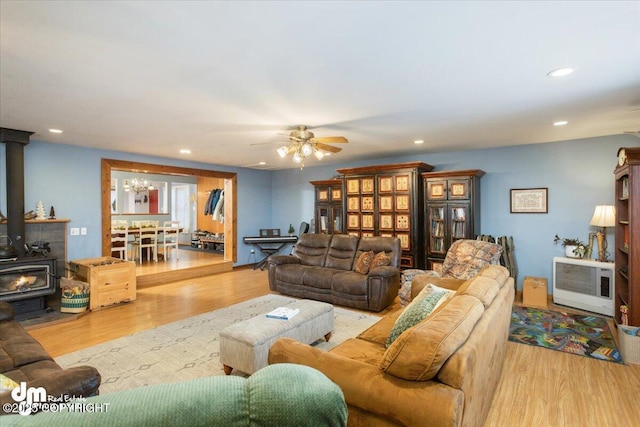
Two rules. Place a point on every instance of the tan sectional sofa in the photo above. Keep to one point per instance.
(441, 372)
(322, 267)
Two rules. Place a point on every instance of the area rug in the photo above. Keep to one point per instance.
(571, 333)
(189, 348)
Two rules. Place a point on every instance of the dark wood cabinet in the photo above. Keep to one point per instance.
(386, 200)
(627, 253)
(451, 211)
(329, 218)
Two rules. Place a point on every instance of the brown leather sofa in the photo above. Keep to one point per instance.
(322, 266)
(443, 371)
(23, 359)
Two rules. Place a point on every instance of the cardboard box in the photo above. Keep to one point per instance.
(534, 292)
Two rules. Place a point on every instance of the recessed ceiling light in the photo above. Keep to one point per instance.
(560, 72)
(262, 163)
(185, 151)
(560, 123)
(55, 131)
(418, 141)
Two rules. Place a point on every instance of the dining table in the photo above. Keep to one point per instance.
(133, 231)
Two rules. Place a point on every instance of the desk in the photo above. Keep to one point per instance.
(258, 242)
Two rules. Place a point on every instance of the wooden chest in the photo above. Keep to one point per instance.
(112, 280)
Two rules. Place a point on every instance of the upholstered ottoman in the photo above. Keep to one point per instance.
(245, 345)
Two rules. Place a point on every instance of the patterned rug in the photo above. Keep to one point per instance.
(189, 348)
(571, 333)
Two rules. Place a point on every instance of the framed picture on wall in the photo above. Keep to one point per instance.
(367, 203)
(353, 186)
(386, 183)
(402, 222)
(529, 200)
(386, 203)
(402, 183)
(386, 222)
(353, 220)
(402, 202)
(404, 241)
(367, 185)
(353, 204)
(367, 221)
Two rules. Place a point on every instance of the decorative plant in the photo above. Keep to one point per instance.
(580, 247)
(291, 229)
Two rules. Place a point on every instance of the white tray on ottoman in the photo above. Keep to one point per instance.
(245, 345)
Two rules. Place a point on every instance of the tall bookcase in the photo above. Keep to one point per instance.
(328, 204)
(627, 253)
(451, 210)
(386, 200)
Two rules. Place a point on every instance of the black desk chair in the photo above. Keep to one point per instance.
(304, 228)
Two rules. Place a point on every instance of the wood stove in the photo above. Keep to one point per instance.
(25, 283)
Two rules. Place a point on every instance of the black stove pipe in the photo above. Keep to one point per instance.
(15, 141)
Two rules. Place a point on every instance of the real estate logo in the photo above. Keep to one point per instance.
(28, 400)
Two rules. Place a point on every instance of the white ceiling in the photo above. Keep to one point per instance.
(214, 77)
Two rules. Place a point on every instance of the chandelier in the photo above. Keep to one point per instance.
(136, 185)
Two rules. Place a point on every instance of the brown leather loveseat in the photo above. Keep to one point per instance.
(323, 267)
(23, 359)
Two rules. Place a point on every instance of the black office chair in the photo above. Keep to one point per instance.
(304, 228)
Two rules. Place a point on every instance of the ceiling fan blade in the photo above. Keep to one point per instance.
(292, 149)
(325, 147)
(331, 139)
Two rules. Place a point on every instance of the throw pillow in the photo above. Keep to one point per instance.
(380, 260)
(431, 288)
(420, 352)
(415, 312)
(7, 384)
(364, 262)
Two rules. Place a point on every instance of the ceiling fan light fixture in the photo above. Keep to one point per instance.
(306, 149)
(303, 143)
(282, 151)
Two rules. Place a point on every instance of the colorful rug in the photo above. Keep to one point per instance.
(588, 336)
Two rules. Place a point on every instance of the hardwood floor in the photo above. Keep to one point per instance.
(538, 387)
(188, 264)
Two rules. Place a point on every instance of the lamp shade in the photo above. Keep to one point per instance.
(282, 151)
(604, 216)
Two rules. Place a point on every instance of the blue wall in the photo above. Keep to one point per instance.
(578, 174)
(68, 178)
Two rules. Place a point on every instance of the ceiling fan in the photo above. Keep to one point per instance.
(303, 143)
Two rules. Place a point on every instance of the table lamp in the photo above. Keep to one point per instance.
(604, 216)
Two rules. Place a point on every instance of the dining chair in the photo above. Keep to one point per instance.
(120, 238)
(170, 233)
(146, 238)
